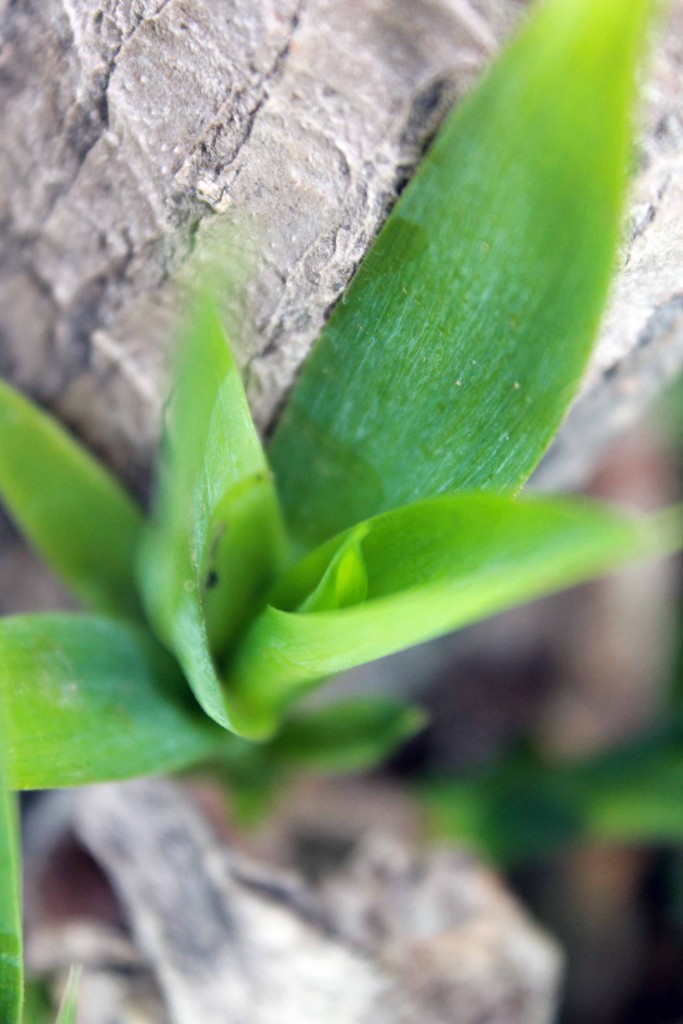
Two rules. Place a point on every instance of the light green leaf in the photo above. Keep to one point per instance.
(349, 736)
(431, 567)
(91, 700)
(70, 509)
(11, 946)
(452, 357)
(67, 1012)
(345, 581)
(216, 542)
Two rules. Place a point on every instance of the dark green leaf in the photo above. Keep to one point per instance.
(350, 736)
(90, 700)
(451, 359)
(37, 1003)
(71, 510)
(216, 542)
(529, 806)
(430, 568)
(11, 959)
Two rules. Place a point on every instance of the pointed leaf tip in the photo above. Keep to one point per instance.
(453, 356)
(216, 540)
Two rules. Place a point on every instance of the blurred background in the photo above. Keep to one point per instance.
(589, 682)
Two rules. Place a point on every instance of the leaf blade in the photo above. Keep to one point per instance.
(466, 330)
(89, 699)
(70, 509)
(11, 943)
(353, 735)
(216, 542)
(67, 1011)
(528, 806)
(431, 567)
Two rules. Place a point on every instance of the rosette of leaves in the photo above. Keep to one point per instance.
(386, 511)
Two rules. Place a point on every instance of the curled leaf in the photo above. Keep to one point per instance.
(216, 542)
(431, 567)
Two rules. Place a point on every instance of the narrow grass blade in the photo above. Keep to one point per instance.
(67, 1011)
(11, 955)
(216, 542)
(430, 568)
(451, 360)
(70, 509)
(91, 700)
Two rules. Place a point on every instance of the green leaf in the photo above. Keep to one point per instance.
(452, 357)
(67, 1012)
(353, 735)
(37, 1003)
(11, 958)
(530, 806)
(431, 567)
(216, 542)
(91, 700)
(71, 510)
(345, 581)
(349, 736)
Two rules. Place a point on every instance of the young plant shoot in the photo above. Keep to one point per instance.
(386, 511)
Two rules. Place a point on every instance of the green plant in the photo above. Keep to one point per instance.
(528, 805)
(385, 514)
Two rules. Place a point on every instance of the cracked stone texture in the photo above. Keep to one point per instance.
(136, 132)
(394, 935)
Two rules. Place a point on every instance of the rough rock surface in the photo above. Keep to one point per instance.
(393, 937)
(133, 130)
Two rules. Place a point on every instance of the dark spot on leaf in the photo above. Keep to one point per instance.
(220, 530)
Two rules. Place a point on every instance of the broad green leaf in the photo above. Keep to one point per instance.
(530, 806)
(11, 958)
(91, 699)
(430, 568)
(216, 542)
(451, 359)
(70, 509)
(67, 1012)
(349, 736)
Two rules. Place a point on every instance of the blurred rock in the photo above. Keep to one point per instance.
(393, 937)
